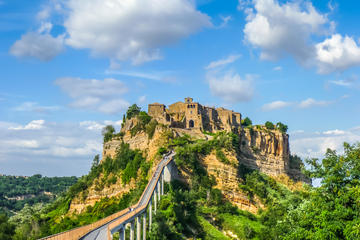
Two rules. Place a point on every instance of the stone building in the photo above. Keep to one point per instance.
(192, 115)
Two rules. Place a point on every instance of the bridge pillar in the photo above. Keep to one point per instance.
(155, 200)
(132, 230)
(138, 228)
(144, 226)
(162, 182)
(122, 233)
(158, 189)
(150, 214)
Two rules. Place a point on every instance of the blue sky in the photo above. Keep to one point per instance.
(69, 67)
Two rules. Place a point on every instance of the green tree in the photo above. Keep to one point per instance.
(246, 122)
(132, 111)
(269, 125)
(7, 230)
(282, 127)
(95, 161)
(108, 133)
(332, 210)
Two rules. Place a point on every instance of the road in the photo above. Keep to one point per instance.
(101, 232)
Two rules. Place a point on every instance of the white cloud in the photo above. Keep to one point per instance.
(275, 105)
(98, 95)
(130, 30)
(334, 132)
(35, 107)
(142, 99)
(42, 46)
(310, 102)
(307, 103)
(337, 54)
(33, 125)
(96, 126)
(315, 144)
(223, 62)
(283, 29)
(231, 87)
(277, 68)
(225, 21)
(50, 148)
(163, 76)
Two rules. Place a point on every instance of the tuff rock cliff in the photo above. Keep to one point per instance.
(260, 148)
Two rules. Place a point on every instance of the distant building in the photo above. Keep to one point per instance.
(192, 115)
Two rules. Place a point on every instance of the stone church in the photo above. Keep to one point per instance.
(192, 115)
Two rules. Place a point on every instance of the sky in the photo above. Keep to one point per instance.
(70, 67)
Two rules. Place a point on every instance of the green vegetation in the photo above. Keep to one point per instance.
(15, 192)
(132, 111)
(198, 210)
(108, 133)
(49, 219)
(246, 122)
(282, 127)
(269, 125)
(7, 230)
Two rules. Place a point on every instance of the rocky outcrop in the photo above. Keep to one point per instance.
(265, 150)
(227, 180)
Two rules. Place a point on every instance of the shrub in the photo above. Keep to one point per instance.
(282, 127)
(269, 125)
(246, 122)
(108, 133)
(132, 111)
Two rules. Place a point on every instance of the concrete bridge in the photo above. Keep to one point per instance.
(139, 214)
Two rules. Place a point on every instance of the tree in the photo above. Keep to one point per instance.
(331, 210)
(246, 122)
(269, 125)
(7, 230)
(132, 111)
(108, 133)
(282, 127)
(95, 161)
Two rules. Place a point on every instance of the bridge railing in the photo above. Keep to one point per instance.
(137, 211)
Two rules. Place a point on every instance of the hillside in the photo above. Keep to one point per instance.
(238, 184)
(16, 191)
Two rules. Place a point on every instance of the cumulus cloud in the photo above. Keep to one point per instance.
(337, 53)
(283, 29)
(33, 125)
(42, 46)
(99, 95)
(228, 84)
(275, 105)
(223, 62)
(231, 87)
(314, 144)
(50, 148)
(131, 30)
(293, 28)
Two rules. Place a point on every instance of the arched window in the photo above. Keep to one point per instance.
(191, 124)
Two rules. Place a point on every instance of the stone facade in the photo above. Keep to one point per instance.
(192, 115)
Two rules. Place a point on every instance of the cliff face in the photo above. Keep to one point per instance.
(265, 150)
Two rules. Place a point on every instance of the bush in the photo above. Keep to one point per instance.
(108, 133)
(246, 122)
(269, 125)
(132, 111)
(282, 127)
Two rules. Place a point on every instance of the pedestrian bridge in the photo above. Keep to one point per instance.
(124, 221)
